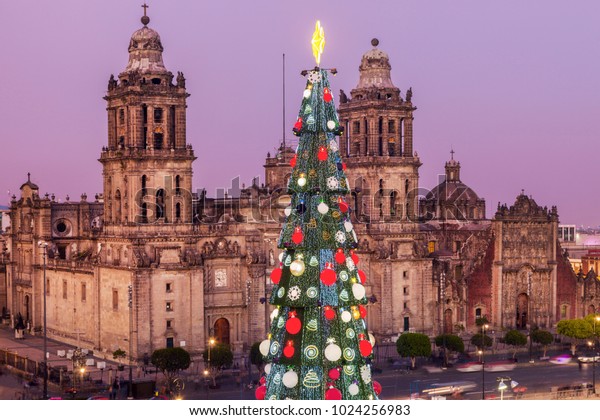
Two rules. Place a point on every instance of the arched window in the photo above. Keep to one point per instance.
(158, 140)
(160, 203)
(177, 211)
(118, 205)
(393, 209)
(177, 185)
(477, 313)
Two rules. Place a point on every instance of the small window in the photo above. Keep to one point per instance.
(405, 290)
(563, 311)
(356, 127)
(64, 289)
(405, 305)
(169, 324)
(405, 274)
(431, 247)
(478, 313)
(115, 300)
(121, 116)
(169, 342)
(169, 306)
(169, 287)
(158, 115)
(83, 292)
(47, 287)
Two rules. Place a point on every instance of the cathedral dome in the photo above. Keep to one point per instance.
(145, 52)
(375, 69)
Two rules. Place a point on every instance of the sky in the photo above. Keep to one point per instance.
(512, 86)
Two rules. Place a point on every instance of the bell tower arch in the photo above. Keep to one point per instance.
(147, 163)
(377, 143)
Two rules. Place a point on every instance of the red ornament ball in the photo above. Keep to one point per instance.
(328, 277)
(276, 275)
(297, 236)
(329, 313)
(333, 394)
(322, 155)
(263, 380)
(340, 258)
(343, 206)
(343, 166)
(354, 257)
(293, 326)
(260, 392)
(365, 348)
(327, 97)
(289, 351)
(334, 374)
(293, 161)
(377, 387)
(362, 276)
(298, 125)
(363, 311)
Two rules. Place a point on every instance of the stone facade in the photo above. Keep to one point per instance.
(149, 264)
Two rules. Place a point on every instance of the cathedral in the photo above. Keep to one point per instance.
(148, 264)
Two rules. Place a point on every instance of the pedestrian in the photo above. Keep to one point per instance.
(114, 389)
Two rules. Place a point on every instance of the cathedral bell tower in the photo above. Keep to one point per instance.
(147, 165)
(377, 143)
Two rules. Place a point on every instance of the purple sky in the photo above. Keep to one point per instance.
(513, 86)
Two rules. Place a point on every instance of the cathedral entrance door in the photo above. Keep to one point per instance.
(522, 311)
(222, 331)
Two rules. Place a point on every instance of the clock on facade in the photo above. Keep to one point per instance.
(220, 277)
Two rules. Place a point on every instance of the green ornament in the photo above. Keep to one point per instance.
(344, 295)
(313, 261)
(312, 325)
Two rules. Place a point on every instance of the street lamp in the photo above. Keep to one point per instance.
(443, 296)
(529, 316)
(44, 246)
(483, 328)
(594, 355)
(130, 304)
(503, 387)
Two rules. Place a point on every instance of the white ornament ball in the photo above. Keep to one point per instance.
(331, 124)
(348, 226)
(358, 290)
(346, 316)
(274, 314)
(302, 181)
(372, 340)
(323, 208)
(340, 237)
(332, 183)
(353, 389)
(333, 146)
(290, 379)
(333, 352)
(268, 368)
(307, 93)
(264, 347)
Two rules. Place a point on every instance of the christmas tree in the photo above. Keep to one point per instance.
(318, 346)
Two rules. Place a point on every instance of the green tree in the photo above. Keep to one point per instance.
(450, 343)
(119, 354)
(221, 357)
(576, 329)
(413, 345)
(543, 338)
(515, 339)
(482, 321)
(170, 361)
(319, 323)
(594, 321)
(481, 340)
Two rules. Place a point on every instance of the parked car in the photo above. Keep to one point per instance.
(500, 366)
(588, 359)
(469, 367)
(561, 359)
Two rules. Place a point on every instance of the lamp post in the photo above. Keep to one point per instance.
(130, 304)
(443, 297)
(529, 316)
(207, 371)
(44, 246)
(594, 355)
(483, 328)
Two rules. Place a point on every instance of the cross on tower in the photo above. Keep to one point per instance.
(452, 154)
(145, 6)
